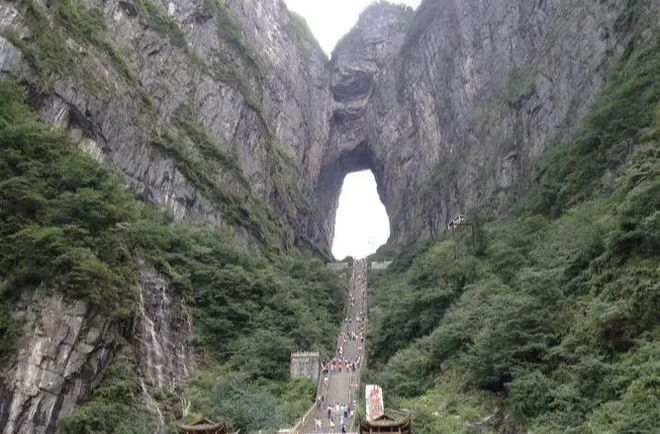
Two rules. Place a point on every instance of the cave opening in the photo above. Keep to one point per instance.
(361, 222)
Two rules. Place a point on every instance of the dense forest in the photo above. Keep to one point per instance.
(547, 317)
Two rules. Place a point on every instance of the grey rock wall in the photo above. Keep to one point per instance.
(357, 62)
(450, 107)
(67, 347)
(162, 340)
(163, 332)
(61, 357)
(272, 93)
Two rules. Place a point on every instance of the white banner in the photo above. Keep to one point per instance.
(374, 398)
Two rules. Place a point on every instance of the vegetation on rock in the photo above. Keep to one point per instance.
(113, 407)
(552, 314)
(67, 224)
(71, 40)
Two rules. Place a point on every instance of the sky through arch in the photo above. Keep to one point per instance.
(361, 224)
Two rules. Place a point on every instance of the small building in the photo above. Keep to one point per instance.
(458, 220)
(203, 426)
(386, 424)
(306, 365)
(375, 265)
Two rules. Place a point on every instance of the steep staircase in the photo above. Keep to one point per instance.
(340, 385)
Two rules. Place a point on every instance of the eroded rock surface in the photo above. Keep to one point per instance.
(67, 347)
(61, 357)
(245, 73)
(163, 337)
(450, 107)
(162, 345)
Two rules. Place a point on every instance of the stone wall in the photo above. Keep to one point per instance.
(306, 365)
(338, 266)
(379, 265)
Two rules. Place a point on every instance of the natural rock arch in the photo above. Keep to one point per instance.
(333, 171)
(356, 62)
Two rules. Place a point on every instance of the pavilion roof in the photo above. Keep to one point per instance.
(203, 426)
(387, 423)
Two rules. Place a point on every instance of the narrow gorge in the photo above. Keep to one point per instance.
(170, 173)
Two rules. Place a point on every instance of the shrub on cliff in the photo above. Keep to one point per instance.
(113, 407)
(68, 225)
(556, 315)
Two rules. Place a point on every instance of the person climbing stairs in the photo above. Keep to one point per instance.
(339, 388)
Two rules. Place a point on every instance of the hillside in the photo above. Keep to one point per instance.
(88, 278)
(169, 179)
(545, 318)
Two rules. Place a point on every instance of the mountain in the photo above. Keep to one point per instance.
(170, 174)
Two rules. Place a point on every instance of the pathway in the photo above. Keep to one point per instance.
(340, 384)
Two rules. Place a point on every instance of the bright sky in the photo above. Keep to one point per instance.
(332, 19)
(361, 225)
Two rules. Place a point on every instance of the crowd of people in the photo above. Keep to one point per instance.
(345, 365)
(340, 412)
(341, 362)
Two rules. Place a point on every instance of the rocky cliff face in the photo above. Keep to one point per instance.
(227, 112)
(357, 63)
(213, 111)
(163, 335)
(451, 107)
(60, 359)
(162, 341)
(206, 107)
(67, 346)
